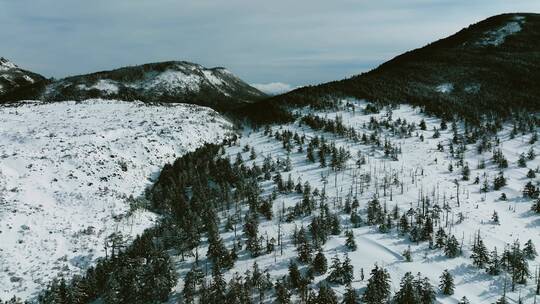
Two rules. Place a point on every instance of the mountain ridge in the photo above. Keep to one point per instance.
(491, 66)
(168, 81)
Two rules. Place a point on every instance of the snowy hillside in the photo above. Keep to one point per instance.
(409, 174)
(67, 170)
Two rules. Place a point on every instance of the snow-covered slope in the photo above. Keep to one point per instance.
(173, 81)
(67, 170)
(420, 176)
(13, 78)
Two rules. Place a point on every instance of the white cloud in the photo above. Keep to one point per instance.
(273, 88)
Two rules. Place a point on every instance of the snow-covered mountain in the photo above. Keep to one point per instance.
(67, 172)
(13, 78)
(172, 81)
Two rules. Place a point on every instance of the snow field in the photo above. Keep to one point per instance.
(67, 172)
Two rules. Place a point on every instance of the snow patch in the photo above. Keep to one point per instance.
(497, 37)
(174, 80)
(445, 88)
(104, 85)
(212, 78)
(28, 78)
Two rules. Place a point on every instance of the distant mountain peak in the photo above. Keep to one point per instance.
(6, 64)
(169, 81)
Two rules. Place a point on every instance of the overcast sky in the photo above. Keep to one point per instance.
(295, 42)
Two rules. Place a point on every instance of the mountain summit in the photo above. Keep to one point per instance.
(491, 66)
(171, 81)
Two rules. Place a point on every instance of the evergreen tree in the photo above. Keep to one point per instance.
(465, 172)
(303, 247)
(495, 217)
(451, 248)
(499, 182)
(529, 251)
(378, 287)
(422, 125)
(440, 238)
(479, 254)
(407, 254)
(295, 278)
(407, 293)
(347, 271)
(446, 284)
(336, 271)
(522, 162)
(427, 292)
(494, 263)
(350, 242)
(536, 206)
(319, 263)
(283, 296)
(326, 295)
(350, 296)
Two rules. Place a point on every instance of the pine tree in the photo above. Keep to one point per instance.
(309, 152)
(452, 247)
(499, 182)
(295, 278)
(326, 295)
(350, 296)
(319, 263)
(495, 217)
(536, 206)
(529, 251)
(530, 154)
(530, 191)
(304, 247)
(356, 220)
(522, 162)
(479, 254)
(447, 283)
(347, 271)
(378, 287)
(494, 263)
(427, 292)
(440, 238)
(283, 296)
(404, 224)
(407, 293)
(464, 300)
(465, 172)
(350, 242)
(422, 125)
(407, 254)
(336, 271)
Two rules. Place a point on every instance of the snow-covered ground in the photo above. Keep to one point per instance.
(67, 170)
(423, 170)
